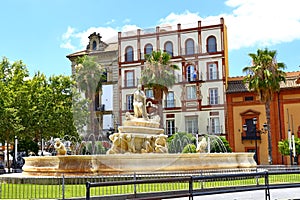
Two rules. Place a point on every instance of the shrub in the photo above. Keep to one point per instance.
(189, 148)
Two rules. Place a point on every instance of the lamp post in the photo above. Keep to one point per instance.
(290, 146)
(256, 133)
(15, 154)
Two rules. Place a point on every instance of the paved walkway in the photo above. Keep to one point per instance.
(276, 194)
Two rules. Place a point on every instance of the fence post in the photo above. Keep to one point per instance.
(134, 185)
(267, 190)
(87, 193)
(191, 188)
(63, 187)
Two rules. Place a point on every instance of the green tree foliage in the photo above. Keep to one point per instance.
(89, 77)
(264, 77)
(158, 75)
(283, 147)
(34, 108)
(11, 97)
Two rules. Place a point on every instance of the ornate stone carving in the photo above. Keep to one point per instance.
(139, 133)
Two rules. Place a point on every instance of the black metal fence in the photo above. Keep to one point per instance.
(139, 186)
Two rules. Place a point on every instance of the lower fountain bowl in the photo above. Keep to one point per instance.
(133, 163)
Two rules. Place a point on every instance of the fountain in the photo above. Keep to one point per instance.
(139, 146)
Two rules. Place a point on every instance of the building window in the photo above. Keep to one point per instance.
(170, 100)
(191, 92)
(191, 73)
(149, 93)
(191, 124)
(213, 96)
(169, 48)
(190, 47)
(249, 98)
(104, 75)
(214, 126)
(129, 78)
(129, 54)
(94, 45)
(212, 71)
(170, 127)
(211, 44)
(148, 49)
(129, 102)
(251, 130)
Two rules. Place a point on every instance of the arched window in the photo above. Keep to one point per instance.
(148, 49)
(94, 45)
(169, 48)
(129, 54)
(190, 47)
(191, 74)
(211, 44)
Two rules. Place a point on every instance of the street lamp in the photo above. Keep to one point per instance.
(257, 133)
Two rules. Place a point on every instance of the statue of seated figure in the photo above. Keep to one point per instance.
(161, 144)
(60, 147)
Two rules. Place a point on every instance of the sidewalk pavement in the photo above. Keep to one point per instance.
(276, 194)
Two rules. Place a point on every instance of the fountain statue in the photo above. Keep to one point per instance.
(139, 146)
(60, 147)
(139, 134)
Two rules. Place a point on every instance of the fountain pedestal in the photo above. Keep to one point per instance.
(138, 135)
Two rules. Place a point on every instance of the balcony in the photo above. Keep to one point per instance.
(251, 136)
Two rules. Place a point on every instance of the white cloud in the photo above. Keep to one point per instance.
(184, 18)
(67, 45)
(68, 34)
(76, 41)
(125, 21)
(110, 22)
(262, 23)
(250, 23)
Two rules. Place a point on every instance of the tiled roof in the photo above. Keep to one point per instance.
(235, 84)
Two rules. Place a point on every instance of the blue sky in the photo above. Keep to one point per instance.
(42, 32)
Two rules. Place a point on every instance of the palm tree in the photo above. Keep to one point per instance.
(158, 74)
(264, 77)
(89, 76)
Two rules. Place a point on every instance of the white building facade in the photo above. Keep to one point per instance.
(196, 103)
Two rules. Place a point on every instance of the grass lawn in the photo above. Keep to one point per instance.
(55, 191)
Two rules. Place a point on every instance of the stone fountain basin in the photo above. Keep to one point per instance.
(140, 130)
(73, 165)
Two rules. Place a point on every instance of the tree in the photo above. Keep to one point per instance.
(48, 111)
(264, 77)
(89, 77)
(158, 74)
(12, 78)
(37, 107)
(284, 149)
